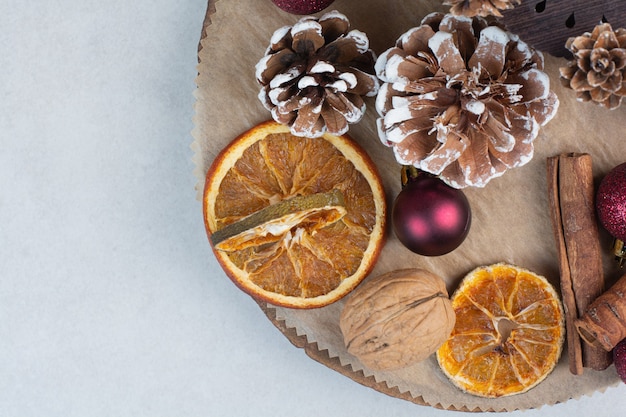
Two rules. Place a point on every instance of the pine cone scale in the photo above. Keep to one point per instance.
(409, 127)
(620, 35)
(500, 138)
(411, 67)
(524, 126)
(306, 37)
(342, 50)
(535, 85)
(579, 43)
(271, 65)
(445, 154)
(416, 145)
(475, 165)
(579, 82)
(583, 60)
(308, 119)
(542, 110)
(364, 84)
(281, 116)
(332, 120)
(618, 56)
(446, 52)
(596, 79)
(600, 95)
(334, 26)
(525, 148)
(614, 83)
(606, 39)
(490, 53)
(483, 8)
(350, 111)
(415, 40)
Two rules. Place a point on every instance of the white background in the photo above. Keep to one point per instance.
(111, 303)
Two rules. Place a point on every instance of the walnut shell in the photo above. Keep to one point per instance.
(397, 319)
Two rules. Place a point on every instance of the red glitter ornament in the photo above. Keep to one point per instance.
(611, 202)
(619, 359)
(611, 209)
(302, 7)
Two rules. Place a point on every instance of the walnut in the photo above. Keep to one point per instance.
(596, 72)
(315, 74)
(462, 99)
(397, 319)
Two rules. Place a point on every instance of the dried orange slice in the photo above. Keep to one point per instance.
(508, 335)
(294, 221)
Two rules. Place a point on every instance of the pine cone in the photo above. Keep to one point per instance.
(597, 71)
(315, 74)
(473, 8)
(462, 99)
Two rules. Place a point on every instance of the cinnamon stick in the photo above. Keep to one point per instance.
(571, 200)
(604, 323)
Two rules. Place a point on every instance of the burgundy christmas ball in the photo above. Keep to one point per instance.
(611, 202)
(302, 7)
(429, 217)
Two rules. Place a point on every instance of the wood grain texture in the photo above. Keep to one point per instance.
(547, 24)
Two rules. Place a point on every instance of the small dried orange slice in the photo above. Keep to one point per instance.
(294, 221)
(508, 334)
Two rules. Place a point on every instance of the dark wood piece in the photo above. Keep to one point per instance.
(547, 24)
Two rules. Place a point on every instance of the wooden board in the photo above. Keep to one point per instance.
(503, 205)
(547, 24)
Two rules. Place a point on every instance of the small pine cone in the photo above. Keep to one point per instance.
(462, 99)
(483, 8)
(315, 74)
(597, 70)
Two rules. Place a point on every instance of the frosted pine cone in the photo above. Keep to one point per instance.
(473, 8)
(315, 74)
(597, 71)
(462, 99)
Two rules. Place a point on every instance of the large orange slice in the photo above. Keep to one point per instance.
(508, 335)
(294, 221)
